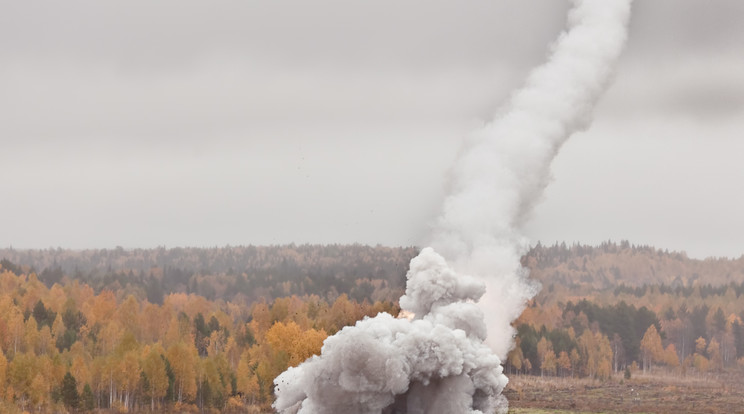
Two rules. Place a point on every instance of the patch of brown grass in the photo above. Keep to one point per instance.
(649, 393)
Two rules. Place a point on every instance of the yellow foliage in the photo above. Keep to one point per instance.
(651, 347)
(700, 344)
(234, 404)
(309, 344)
(549, 362)
(118, 341)
(183, 358)
(101, 309)
(670, 356)
(700, 363)
(3, 373)
(247, 379)
(298, 345)
(596, 354)
(564, 361)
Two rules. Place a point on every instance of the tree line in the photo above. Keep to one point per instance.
(113, 325)
(248, 273)
(239, 274)
(70, 347)
(587, 339)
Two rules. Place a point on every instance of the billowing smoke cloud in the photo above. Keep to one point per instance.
(436, 363)
(439, 361)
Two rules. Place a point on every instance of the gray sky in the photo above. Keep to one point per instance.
(184, 123)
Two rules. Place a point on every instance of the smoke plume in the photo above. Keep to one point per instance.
(439, 361)
(503, 169)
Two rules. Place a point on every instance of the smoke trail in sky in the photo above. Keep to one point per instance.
(438, 362)
(503, 169)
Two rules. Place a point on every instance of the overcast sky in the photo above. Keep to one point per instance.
(185, 123)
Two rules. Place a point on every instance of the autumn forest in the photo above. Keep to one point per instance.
(200, 330)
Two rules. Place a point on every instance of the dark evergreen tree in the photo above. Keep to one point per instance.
(561, 341)
(738, 331)
(529, 339)
(43, 315)
(154, 291)
(73, 319)
(87, 399)
(213, 325)
(66, 340)
(51, 275)
(622, 319)
(201, 334)
(170, 394)
(10, 266)
(70, 397)
(719, 321)
(697, 318)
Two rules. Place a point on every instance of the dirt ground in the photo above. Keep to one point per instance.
(651, 393)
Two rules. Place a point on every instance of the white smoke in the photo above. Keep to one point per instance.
(434, 364)
(439, 362)
(501, 173)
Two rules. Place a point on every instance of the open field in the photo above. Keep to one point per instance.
(657, 393)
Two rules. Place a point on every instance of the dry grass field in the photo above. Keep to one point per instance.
(650, 393)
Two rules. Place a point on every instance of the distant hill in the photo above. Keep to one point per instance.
(249, 273)
(616, 264)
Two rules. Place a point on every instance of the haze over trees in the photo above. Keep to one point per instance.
(240, 274)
